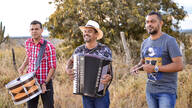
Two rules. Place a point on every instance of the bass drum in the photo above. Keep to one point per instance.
(24, 88)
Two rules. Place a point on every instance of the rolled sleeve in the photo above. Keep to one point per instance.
(51, 56)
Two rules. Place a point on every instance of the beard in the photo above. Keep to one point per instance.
(153, 30)
(87, 38)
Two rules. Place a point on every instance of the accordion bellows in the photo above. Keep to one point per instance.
(88, 72)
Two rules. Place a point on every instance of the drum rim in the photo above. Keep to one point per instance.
(29, 98)
(15, 82)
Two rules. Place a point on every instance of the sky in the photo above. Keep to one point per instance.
(187, 4)
(17, 15)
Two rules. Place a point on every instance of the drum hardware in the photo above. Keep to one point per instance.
(141, 68)
(137, 69)
(23, 88)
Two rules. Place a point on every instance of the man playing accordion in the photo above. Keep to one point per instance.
(92, 33)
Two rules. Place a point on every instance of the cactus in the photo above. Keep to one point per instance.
(2, 31)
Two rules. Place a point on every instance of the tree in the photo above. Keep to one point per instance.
(113, 16)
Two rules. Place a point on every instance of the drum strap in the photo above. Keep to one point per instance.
(40, 55)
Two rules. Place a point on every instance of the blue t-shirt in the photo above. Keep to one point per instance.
(160, 52)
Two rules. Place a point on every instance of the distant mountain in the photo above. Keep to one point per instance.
(20, 40)
(186, 31)
(24, 37)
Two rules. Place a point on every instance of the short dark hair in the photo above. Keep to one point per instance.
(36, 22)
(156, 13)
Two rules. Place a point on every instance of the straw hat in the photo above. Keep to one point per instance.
(95, 25)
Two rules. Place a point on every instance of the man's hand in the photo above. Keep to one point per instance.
(106, 79)
(44, 88)
(22, 67)
(69, 68)
(70, 73)
(148, 68)
(21, 70)
(134, 70)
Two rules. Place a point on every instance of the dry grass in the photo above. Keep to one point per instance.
(126, 91)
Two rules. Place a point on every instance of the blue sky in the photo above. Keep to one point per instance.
(16, 15)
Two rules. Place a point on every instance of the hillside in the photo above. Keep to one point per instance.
(20, 41)
(127, 91)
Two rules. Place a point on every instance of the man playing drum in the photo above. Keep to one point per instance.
(46, 68)
(92, 33)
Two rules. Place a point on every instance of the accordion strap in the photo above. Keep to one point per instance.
(111, 73)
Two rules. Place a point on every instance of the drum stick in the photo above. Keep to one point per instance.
(14, 63)
(137, 68)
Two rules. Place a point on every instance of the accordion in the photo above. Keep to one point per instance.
(88, 72)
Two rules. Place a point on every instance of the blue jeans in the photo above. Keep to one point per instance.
(99, 102)
(161, 100)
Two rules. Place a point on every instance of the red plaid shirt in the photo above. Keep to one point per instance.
(48, 61)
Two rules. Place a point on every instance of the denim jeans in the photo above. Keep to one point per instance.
(161, 100)
(99, 102)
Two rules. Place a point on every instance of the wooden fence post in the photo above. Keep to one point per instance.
(182, 50)
(126, 49)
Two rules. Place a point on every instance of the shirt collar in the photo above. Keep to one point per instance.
(41, 41)
(98, 44)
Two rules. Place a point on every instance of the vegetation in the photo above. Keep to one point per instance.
(2, 31)
(113, 16)
(126, 91)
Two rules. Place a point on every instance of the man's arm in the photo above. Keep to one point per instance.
(51, 64)
(69, 68)
(69, 64)
(50, 74)
(175, 66)
(49, 77)
(23, 66)
(137, 67)
(51, 53)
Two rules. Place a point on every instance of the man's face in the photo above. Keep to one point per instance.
(35, 31)
(89, 35)
(153, 24)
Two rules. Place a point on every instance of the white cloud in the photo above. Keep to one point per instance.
(187, 4)
(187, 23)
